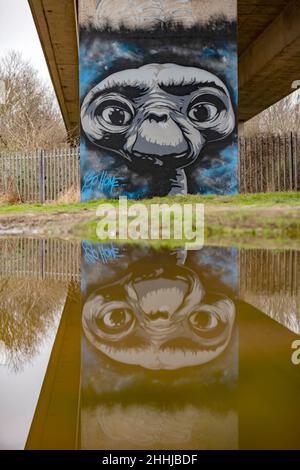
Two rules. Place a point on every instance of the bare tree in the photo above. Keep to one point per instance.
(29, 117)
(282, 117)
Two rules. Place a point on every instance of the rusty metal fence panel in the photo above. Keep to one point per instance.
(41, 175)
(269, 163)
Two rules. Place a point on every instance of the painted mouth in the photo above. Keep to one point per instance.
(160, 159)
(162, 358)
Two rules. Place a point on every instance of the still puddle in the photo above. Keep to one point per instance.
(147, 349)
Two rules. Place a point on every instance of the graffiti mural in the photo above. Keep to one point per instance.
(158, 98)
(159, 348)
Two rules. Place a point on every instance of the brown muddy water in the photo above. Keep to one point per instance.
(148, 349)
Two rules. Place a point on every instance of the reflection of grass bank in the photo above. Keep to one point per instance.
(240, 219)
(240, 227)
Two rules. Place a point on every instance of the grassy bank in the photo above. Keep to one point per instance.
(291, 199)
(241, 225)
(240, 219)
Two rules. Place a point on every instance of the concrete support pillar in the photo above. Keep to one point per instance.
(241, 128)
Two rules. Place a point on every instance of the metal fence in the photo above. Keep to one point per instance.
(269, 163)
(266, 164)
(41, 175)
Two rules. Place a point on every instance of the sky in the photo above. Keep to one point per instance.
(20, 392)
(17, 31)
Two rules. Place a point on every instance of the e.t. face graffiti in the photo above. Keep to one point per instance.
(159, 115)
(159, 98)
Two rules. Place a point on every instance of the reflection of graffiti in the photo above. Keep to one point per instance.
(158, 317)
(159, 116)
(159, 351)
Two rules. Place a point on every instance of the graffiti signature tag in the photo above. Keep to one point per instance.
(100, 181)
(94, 253)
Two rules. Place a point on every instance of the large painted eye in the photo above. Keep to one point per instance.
(202, 112)
(114, 112)
(203, 321)
(116, 116)
(116, 321)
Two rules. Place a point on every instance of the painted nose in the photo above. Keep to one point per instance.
(160, 135)
(160, 315)
(159, 322)
(158, 116)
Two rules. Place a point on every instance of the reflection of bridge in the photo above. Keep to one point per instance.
(56, 419)
(268, 278)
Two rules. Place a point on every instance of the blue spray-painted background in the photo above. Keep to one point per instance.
(103, 175)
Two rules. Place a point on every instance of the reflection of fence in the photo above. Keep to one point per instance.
(269, 163)
(270, 271)
(40, 259)
(40, 176)
(263, 272)
(269, 280)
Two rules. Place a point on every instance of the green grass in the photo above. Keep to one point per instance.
(262, 199)
(283, 231)
(265, 199)
(238, 220)
(46, 208)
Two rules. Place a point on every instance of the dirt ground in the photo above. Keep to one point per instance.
(54, 224)
(248, 225)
